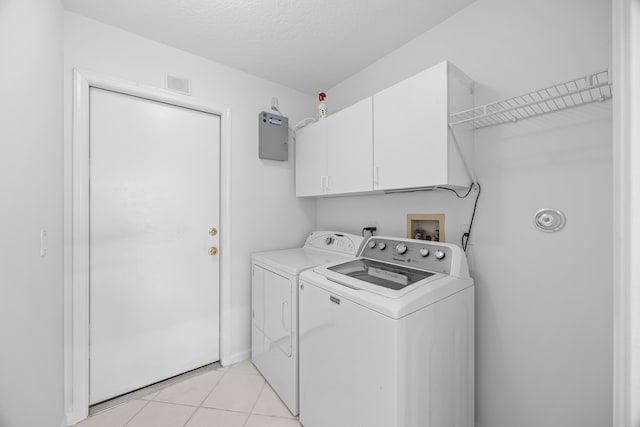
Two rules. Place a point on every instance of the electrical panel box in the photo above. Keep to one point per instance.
(273, 136)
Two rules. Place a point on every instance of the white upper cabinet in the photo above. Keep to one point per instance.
(350, 149)
(311, 159)
(335, 155)
(413, 147)
(399, 139)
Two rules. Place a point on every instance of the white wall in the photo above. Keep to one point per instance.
(544, 316)
(31, 315)
(265, 214)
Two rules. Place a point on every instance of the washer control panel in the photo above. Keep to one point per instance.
(423, 255)
(335, 242)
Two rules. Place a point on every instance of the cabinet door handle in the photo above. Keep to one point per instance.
(334, 299)
(327, 187)
(376, 176)
(322, 183)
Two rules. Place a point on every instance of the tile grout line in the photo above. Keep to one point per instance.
(256, 402)
(157, 391)
(138, 412)
(156, 388)
(266, 384)
(236, 411)
(224, 374)
(190, 416)
(196, 407)
(180, 404)
(161, 402)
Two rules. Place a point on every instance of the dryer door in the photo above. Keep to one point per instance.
(275, 310)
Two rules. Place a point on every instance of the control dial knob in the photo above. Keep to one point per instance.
(382, 245)
(329, 240)
(401, 248)
(372, 244)
(424, 252)
(439, 254)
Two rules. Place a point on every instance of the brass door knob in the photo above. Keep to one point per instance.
(213, 250)
(213, 231)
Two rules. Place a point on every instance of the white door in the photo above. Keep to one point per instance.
(154, 287)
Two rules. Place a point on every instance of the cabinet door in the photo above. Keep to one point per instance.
(410, 132)
(311, 159)
(350, 149)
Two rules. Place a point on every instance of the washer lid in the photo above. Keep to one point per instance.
(388, 280)
(390, 276)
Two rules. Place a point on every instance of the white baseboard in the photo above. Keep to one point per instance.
(235, 358)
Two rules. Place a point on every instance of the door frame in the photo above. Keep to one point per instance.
(626, 214)
(83, 81)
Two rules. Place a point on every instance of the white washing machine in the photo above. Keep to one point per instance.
(387, 339)
(274, 301)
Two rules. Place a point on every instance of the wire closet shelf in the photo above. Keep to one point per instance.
(594, 87)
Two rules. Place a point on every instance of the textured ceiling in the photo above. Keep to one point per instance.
(309, 45)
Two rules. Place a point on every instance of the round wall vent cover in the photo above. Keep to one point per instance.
(549, 220)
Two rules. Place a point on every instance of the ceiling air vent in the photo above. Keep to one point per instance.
(177, 84)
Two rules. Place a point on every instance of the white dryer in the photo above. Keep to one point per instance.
(274, 301)
(387, 339)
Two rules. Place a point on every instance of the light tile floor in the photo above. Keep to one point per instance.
(235, 396)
